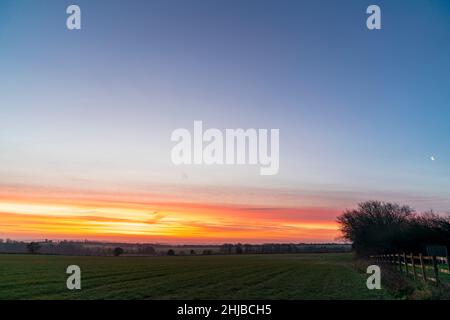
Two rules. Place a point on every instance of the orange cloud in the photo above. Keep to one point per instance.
(40, 213)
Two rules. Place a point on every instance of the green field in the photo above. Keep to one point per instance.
(283, 276)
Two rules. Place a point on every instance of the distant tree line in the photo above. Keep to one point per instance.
(381, 227)
(89, 248)
(240, 248)
(74, 248)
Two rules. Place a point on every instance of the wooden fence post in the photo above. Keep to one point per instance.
(399, 262)
(394, 258)
(436, 271)
(413, 266)
(406, 263)
(448, 263)
(424, 274)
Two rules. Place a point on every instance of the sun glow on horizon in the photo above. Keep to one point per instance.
(62, 217)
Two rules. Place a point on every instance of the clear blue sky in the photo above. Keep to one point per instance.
(359, 111)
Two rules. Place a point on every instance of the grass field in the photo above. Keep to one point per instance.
(296, 276)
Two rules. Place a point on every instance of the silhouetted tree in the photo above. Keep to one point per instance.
(192, 251)
(118, 251)
(374, 226)
(147, 250)
(33, 247)
(226, 248)
(427, 229)
(381, 227)
(170, 252)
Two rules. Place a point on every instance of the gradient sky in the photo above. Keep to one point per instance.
(86, 116)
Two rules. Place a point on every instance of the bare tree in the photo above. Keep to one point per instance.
(33, 247)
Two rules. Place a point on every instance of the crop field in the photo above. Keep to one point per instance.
(282, 276)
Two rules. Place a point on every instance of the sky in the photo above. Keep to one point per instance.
(86, 116)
